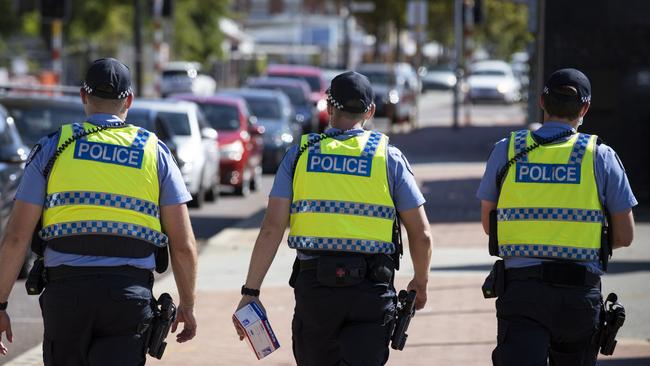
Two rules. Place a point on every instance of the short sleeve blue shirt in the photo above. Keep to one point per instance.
(613, 186)
(33, 188)
(403, 187)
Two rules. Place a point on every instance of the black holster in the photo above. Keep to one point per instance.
(495, 283)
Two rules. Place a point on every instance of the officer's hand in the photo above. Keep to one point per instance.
(245, 300)
(5, 327)
(185, 315)
(421, 288)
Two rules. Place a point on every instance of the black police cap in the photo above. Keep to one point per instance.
(108, 78)
(351, 92)
(569, 77)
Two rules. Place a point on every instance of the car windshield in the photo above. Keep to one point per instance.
(296, 95)
(5, 134)
(381, 78)
(313, 81)
(221, 117)
(34, 122)
(139, 117)
(178, 122)
(264, 107)
(488, 72)
(443, 67)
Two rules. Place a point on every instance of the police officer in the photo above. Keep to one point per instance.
(551, 205)
(111, 200)
(341, 202)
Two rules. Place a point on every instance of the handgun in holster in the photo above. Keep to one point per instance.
(612, 317)
(164, 316)
(37, 278)
(405, 311)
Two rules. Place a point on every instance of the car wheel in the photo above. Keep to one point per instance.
(244, 189)
(198, 198)
(212, 194)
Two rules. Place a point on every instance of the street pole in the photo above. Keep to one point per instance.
(137, 43)
(57, 45)
(458, 58)
(157, 43)
(346, 34)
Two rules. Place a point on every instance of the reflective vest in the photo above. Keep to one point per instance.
(102, 194)
(549, 205)
(341, 198)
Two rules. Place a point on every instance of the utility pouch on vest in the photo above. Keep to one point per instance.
(605, 246)
(341, 271)
(495, 283)
(493, 241)
(381, 268)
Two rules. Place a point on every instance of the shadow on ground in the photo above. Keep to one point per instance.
(207, 226)
(446, 144)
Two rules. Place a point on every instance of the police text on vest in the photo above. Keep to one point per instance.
(339, 164)
(107, 153)
(548, 173)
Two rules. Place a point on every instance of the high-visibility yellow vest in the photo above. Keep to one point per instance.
(549, 205)
(104, 184)
(341, 197)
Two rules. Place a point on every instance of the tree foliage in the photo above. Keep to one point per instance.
(196, 30)
(505, 28)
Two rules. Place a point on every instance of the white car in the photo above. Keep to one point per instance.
(196, 146)
(185, 77)
(493, 80)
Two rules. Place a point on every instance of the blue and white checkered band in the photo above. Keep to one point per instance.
(372, 144)
(549, 214)
(520, 144)
(314, 148)
(87, 88)
(341, 245)
(579, 149)
(104, 227)
(140, 139)
(77, 128)
(102, 199)
(125, 93)
(548, 251)
(342, 207)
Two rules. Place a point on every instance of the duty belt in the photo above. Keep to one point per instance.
(567, 274)
(66, 272)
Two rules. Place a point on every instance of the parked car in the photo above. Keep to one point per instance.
(185, 77)
(274, 112)
(240, 140)
(298, 93)
(397, 91)
(439, 77)
(317, 84)
(13, 154)
(38, 116)
(330, 74)
(492, 80)
(197, 148)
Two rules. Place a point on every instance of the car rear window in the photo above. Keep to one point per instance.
(220, 116)
(264, 107)
(313, 81)
(296, 95)
(380, 78)
(488, 72)
(179, 123)
(34, 122)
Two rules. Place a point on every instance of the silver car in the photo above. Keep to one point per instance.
(197, 149)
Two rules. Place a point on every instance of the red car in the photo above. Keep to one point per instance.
(240, 140)
(317, 83)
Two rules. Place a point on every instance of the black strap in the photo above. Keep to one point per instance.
(567, 274)
(65, 272)
(538, 142)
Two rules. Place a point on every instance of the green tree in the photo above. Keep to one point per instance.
(505, 28)
(197, 36)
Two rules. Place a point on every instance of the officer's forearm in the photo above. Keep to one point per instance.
(266, 246)
(420, 241)
(184, 261)
(11, 248)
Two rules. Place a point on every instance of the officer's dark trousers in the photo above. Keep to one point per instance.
(95, 320)
(335, 326)
(539, 322)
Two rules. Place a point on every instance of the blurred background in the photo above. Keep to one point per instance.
(230, 85)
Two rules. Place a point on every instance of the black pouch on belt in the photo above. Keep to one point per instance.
(381, 268)
(341, 271)
(495, 283)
